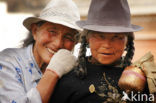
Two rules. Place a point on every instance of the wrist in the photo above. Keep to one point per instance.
(52, 72)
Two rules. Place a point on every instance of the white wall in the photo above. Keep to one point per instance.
(12, 30)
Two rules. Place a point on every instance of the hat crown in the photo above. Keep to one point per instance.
(59, 8)
(64, 12)
(109, 12)
(109, 16)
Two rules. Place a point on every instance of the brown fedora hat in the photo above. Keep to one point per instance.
(109, 16)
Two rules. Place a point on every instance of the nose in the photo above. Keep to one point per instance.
(106, 43)
(58, 42)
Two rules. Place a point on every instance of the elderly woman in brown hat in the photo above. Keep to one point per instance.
(108, 33)
(29, 74)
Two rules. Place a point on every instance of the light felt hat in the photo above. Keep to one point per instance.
(109, 16)
(64, 12)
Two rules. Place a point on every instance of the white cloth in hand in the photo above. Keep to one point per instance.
(62, 62)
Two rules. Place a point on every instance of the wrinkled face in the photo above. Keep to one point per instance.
(106, 48)
(49, 38)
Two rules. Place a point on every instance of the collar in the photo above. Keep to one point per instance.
(118, 63)
(36, 72)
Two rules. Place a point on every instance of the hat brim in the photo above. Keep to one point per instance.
(30, 20)
(118, 29)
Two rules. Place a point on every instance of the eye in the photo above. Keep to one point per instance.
(98, 36)
(101, 36)
(52, 32)
(69, 37)
(118, 37)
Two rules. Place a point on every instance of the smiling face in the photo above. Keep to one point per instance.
(106, 48)
(49, 38)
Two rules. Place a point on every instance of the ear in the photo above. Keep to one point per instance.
(34, 30)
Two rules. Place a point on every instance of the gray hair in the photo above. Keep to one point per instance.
(30, 39)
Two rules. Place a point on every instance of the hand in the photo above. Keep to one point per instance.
(147, 64)
(149, 68)
(62, 62)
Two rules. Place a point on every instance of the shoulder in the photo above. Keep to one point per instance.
(66, 88)
(67, 81)
(12, 57)
(15, 53)
(8, 56)
(10, 52)
(70, 77)
(14, 65)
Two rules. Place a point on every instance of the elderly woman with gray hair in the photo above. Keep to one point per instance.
(109, 35)
(29, 74)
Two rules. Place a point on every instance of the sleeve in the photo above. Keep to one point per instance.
(12, 87)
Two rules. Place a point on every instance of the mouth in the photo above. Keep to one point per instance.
(51, 51)
(108, 54)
